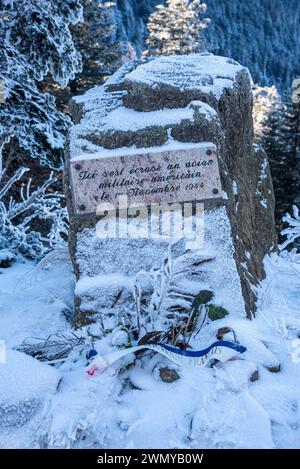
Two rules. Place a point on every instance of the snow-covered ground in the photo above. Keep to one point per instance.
(129, 406)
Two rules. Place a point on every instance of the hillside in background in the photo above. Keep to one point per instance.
(264, 35)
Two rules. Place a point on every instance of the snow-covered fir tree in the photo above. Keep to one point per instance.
(102, 41)
(265, 100)
(295, 120)
(292, 232)
(280, 139)
(177, 28)
(35, 42)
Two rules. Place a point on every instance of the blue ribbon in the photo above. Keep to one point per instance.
(202, 353)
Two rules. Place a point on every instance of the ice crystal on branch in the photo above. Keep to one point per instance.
(17, 218)
(174, 287)
(293, 231)
(35, 43)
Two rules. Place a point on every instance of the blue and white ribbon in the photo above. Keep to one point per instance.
(221, 350)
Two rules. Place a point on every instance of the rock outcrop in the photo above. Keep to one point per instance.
(148, 103)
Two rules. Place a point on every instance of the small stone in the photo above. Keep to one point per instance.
(203, 297)
(223, 331)
(120, 338)
(254, 377)
(274, 369)
(7, 258)
(168, 375)
(216, 312)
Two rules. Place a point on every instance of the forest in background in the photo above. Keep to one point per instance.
(263, 35)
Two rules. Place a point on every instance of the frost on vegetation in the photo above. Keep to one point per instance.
(265, 100)
(54, 348)
(37, 43)
(17, 217)
(292, 232)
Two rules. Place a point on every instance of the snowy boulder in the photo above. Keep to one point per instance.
(103, 293)
(161, 103)
(7, 258)
(24, 384)
(176, 81)
(224, 86)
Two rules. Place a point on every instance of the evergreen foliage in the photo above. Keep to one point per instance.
(278, 131)
(102, 41)
(35, 43)
(177, 28)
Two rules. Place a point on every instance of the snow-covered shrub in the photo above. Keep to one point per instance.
(266, 99)
(55, 347)
(276, 127)
(171, 306)
(293, 231)
(35, 43)
(102, 40)
(17, 217)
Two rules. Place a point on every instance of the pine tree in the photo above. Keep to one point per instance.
(296, 119)
(279, 139)
(265, 100)
(177, 28)
(102, 41)
(36, 42)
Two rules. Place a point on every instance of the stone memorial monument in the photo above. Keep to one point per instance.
(167, 130)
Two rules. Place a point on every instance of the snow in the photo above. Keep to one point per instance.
(129, 119)
(99, 281)
(32, 302)
(264, 203)
(293, 231)
(264, 168)
(6, 255)
(7, 258)
(234, 188)
(24, 384)
(194, 71)
(101, 117)
(129, 406)
(171, 145)
(16, 384)
(232, 409)
(102, 111)
(107, 281)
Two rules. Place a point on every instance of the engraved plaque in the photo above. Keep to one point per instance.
(185, 174)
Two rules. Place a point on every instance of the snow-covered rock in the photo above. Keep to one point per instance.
(7, 258)
(24, 384)
(155, 104)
